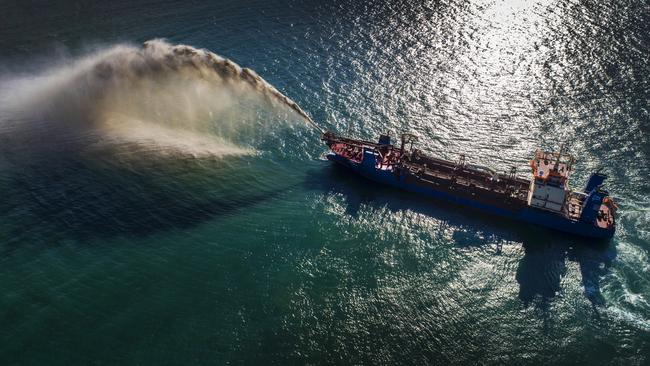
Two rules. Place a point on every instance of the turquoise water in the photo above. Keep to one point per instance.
(160, 250)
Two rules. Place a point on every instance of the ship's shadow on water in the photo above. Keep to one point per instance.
(545, 261)
(546, 252)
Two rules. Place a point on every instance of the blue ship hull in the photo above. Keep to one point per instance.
(524, 214)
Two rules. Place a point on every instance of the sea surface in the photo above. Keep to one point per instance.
(195, 228)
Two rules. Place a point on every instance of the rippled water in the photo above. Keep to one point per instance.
(130, 254)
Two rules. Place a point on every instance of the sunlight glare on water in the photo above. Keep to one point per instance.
(203, 227)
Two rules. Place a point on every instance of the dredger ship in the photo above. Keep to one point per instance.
(544, 200)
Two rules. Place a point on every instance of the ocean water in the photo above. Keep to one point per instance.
(154, 220)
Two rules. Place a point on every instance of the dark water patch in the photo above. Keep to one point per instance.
(63, 197)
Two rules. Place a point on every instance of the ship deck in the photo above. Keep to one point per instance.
(605, 218)
(457, 174)
(438, 172)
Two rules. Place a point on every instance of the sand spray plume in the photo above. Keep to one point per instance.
(172, 97)
(230, 71)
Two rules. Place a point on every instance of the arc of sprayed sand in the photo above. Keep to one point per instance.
(230, 70)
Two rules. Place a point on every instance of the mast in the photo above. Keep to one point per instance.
(406, 138)
(559, 156)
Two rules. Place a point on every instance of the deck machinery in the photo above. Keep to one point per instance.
(544, 200)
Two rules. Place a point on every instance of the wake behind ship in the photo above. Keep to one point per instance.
(544, 200)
